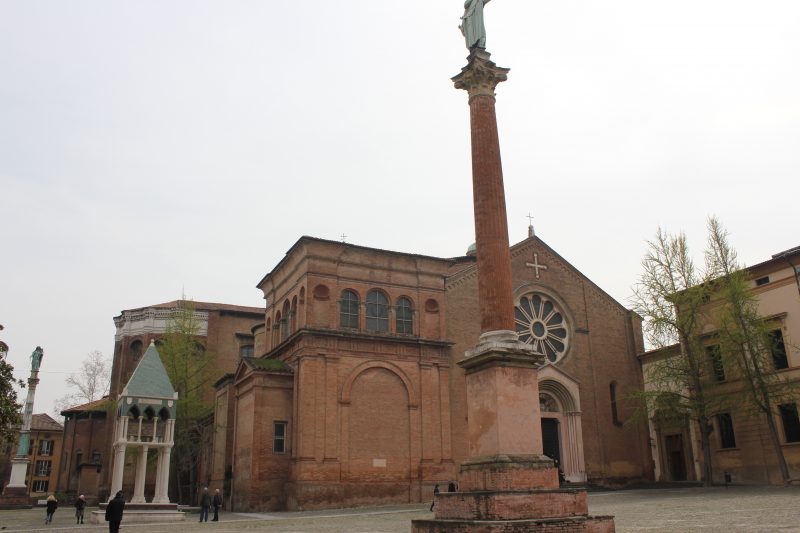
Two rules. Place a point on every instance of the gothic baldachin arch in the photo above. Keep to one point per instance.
(363, 367)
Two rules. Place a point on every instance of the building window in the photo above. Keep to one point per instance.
(40, 485)
(285, 330)
(42, 468)
(348, 310)
(45, 447)
(715, 359)
(96, 457)
(78, 460)
(791, 422)
(727, 439)
(246, 351)
(405, 323)
(778, 349)
(762, 281)
(377, 313)
(614, 414)
(279, 437)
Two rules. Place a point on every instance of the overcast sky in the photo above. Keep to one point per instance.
(150, 148)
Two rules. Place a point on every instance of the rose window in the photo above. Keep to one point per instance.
(540, 323)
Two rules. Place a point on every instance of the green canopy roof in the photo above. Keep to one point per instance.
(150, 379)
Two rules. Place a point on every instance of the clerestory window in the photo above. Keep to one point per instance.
(377, 312)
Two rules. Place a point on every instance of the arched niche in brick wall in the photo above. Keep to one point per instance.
(348, 383)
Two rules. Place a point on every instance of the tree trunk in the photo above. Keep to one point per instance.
(705, 443)
(776, 444)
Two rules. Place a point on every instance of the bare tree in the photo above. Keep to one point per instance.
(745, 340)
(669, 296)
(89, 384)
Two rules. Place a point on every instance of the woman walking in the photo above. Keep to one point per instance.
(80, 505)
(52, 505)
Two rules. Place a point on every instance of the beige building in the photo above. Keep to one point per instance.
(741, 449)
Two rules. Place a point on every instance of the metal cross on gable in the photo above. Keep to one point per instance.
(536, 265)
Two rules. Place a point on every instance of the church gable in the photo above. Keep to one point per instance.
(535, 263)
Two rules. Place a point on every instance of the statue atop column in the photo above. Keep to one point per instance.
(36, 359)
(472, 24)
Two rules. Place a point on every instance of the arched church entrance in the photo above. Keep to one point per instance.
(562, 436)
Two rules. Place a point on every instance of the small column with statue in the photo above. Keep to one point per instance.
(15, 495)
(145, 424)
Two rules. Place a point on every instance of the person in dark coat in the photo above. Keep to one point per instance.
(114, 512)
(216, 503)
(52, 505)
(205, 503)
(435, 492)
(80, 505)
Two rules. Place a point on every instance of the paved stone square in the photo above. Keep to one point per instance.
(745, 509)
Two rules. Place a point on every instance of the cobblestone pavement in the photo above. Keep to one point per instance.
(736, 509)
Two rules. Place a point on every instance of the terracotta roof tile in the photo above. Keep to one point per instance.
(97, 405)
(44, 422)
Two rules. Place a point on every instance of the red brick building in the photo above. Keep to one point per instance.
(353, 395)
(84, 454)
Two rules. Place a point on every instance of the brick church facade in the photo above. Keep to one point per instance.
(352, 395)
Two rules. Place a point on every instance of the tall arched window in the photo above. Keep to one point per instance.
(614, 414)
(405, 321)
(377, 312)
(293, 315)
(285, 321)
(348, 310)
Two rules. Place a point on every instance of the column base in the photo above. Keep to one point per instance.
(508, 472)
(15, 498)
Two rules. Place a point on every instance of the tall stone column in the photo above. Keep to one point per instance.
(507, 483)
(479, 78)
(157, 495)
(119, 469)
(141, 473)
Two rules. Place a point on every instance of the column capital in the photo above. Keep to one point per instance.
(481, 75)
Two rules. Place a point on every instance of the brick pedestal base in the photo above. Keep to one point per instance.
(15, 498)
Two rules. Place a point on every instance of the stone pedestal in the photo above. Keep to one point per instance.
(507, 485)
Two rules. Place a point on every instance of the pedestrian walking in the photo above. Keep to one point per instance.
(80, 505)
(52, 505)
(114, 512)
(216, 503)
(205, 503)
(435, 492)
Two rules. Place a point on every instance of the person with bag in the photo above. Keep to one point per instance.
(80, 505)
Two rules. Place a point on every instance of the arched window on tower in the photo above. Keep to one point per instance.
(377, 311)
(136, 350)
(348, 310)
(405, 320)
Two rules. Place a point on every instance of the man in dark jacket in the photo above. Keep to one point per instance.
(216, 503)
(114, 512)
(205, 503)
